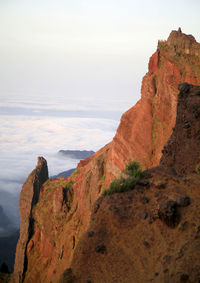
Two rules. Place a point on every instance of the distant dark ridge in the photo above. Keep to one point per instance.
(64, 174)
(76, 154)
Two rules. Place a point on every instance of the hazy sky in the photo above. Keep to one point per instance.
(85, 48)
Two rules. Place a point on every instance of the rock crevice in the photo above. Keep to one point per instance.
(28, 198)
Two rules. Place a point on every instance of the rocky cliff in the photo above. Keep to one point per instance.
(152, 232)
(63, 211)
(146, 127)
(182, 151)
(28, 199)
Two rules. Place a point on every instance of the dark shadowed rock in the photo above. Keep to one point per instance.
(183, 200)
(146, 244)
(100, 249)
(90, 234)
(4, 268)
(143, 215)
(168, 213)
(184, 156)
(184, 87)
(184, 277)
(144, 200)
(67, 276)
(28, 198)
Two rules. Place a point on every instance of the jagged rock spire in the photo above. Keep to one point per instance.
(183, 43)
(28, 198)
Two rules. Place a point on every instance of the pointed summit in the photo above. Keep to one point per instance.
(183, 43)
(28, 198)
(179, 30)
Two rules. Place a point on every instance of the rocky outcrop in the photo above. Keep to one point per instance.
(183, 43)
(156, 240)
(143, 131)
(146, 127)
(184, 157)
(28, 199)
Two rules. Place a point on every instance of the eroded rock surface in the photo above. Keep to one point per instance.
(185, 156)
(143, 131)
(28, 198)
(165, 246)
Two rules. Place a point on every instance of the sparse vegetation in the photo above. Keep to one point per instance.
(154, 129)
(68, 184)
(77, 171)
(162, 45)
(182, 226)
(4, 277)
(155, 216)
(133, 169)
(197, 169)
(133, 173)
(102, 181)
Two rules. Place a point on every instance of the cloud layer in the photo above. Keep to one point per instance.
(23, 137)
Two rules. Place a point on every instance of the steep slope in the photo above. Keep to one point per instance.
(63, 212)
(28, 198)
(146, 127)
(182, 151)
(151, 233)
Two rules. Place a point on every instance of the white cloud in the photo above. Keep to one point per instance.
(21, 133)
(23, 138)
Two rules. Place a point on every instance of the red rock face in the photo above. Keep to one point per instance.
(28, 198)
(148, 233)
(145, 128)
(143, 131)
(153, 63)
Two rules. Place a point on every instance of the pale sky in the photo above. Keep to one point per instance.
(85, 48)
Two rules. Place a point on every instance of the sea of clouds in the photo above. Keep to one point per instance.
(34, 126)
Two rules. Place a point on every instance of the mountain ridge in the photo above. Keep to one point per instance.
(150, 233)
(143, 131)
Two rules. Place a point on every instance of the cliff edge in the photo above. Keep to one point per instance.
(63, 212)
(152, 232)
(28, 199)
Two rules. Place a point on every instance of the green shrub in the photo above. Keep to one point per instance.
(123, 184)
(77, 171)
(102, 181)
(133, 169)
(197, 169)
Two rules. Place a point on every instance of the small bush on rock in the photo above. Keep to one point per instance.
(133, 173)
(133, 169)
(197, 169)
